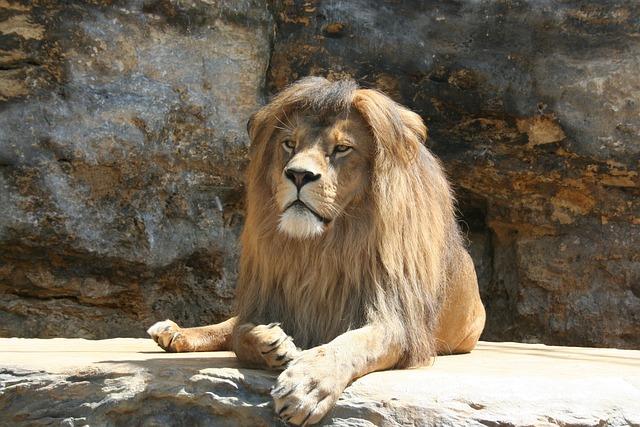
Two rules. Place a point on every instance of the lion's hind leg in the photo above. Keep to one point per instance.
(172, 338)
(264, 345)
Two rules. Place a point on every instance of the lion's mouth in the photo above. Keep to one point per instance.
(300, 204)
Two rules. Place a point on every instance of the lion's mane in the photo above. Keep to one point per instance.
(385, 260)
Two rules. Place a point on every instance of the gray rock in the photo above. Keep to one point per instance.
(128, 382)
(122, 140)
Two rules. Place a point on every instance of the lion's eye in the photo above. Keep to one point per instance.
(288, 145)
(341, 148)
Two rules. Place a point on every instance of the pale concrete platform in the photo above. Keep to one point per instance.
(124, 381)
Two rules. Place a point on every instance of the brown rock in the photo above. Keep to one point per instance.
(534, 110)
(122, 144)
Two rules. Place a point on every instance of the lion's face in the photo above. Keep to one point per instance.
(321, 165)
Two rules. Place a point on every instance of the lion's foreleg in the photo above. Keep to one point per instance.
(312, 383)
(263, 345)
(173, 338)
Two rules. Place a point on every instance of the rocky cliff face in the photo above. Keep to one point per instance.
(534, 106)
(122, 143)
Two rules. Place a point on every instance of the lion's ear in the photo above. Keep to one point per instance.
(415, 124)
(259, 128)
(250, 124)
(397, 131)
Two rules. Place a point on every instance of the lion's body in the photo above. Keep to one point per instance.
(352, 276)
(386, 281)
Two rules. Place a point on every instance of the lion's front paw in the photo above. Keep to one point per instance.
(275, 346)
(308, 389)
(168, 335)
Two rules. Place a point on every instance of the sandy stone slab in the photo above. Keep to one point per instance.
(129, 381)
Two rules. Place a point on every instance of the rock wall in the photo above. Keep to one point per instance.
(534, 106)
(122, 144)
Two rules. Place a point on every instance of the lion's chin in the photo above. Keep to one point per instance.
(300, 223)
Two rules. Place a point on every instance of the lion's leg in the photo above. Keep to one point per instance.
(175, 339)
(312, 383)
(462, 318)
(263, 345)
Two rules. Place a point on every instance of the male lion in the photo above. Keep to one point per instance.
(352, 260)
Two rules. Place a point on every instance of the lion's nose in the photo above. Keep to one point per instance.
(301, 177)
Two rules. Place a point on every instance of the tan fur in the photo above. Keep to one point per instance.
(386, 283)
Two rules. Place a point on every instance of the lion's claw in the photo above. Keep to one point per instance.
(308, 389)
(167, 334)
(275, 346)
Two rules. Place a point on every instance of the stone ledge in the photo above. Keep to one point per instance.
(75, 382)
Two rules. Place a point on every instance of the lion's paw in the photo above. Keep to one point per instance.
(309, 388)
(169, 336)
(275, 346)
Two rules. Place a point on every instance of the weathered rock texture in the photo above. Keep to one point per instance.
(534, 106)
(122, 143)
(127, 382)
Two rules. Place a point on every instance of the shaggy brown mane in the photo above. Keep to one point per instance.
(386, 257)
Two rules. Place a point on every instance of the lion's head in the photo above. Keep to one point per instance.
(349, 216)
(320, 151)
(320, 166)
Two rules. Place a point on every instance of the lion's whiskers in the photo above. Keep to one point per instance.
(287, 118)
(286, 127)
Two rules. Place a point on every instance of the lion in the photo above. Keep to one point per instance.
(352, 260)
